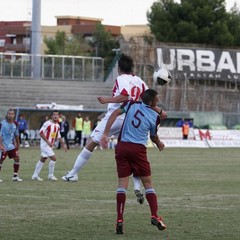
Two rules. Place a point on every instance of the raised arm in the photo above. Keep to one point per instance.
(118, 99)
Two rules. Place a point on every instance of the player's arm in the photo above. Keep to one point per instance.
(2, 148)
(42, 135)
(161, 113)
(118, 99)
(157, 141)
(17, 136)
(111, 120)
(17, 141)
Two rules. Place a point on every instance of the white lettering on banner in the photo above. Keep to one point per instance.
(199, 138)
(226, 62)
(205, 61)
(199, 63)
(222, 144)
(174, 133)
(185, 143)
(188, 59)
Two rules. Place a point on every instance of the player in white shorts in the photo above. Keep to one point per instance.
(49, 132)
(127, 87)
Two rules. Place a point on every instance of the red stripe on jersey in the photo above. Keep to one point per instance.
(124, 92)
(48, 132)
(115, 88)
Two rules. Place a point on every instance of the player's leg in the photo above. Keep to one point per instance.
(51, 168)
(80, 162)
(16, 164)
(153, 203)
(121, 200)
(2, 158)
(66, 140)
(124, 170)
(39, 166)
(86, 153)
(137, 189)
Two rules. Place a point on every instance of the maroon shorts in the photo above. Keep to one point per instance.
(131, 158)
(11, 154)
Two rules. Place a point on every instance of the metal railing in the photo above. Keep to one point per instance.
(20, 65)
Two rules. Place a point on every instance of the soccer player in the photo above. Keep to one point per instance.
(131, 153)
(9, 143)
(127, 87)
(49, 132)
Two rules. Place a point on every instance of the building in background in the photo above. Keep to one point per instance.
(15, 36)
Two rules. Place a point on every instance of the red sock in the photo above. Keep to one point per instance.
(15, 168)
(121, 199)
(152, 201)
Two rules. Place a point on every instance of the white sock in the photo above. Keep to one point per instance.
(136, 183)
(38, 168)
(80, 161)
(51, 167)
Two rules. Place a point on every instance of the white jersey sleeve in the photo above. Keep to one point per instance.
(128, 85)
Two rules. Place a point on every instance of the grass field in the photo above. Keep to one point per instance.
(198, 192)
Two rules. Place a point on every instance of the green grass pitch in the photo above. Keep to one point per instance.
(198, 194)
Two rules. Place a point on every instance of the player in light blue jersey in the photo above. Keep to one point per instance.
(131, 151)
(9, 143)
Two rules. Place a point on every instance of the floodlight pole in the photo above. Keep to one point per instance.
(36, 39)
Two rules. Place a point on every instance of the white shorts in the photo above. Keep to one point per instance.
(115, 129)
(46, 151)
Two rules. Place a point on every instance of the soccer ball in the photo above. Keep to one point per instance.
(162, 76)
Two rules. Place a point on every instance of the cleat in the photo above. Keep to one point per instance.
(158, 222)
(17, 179)
(119, 227)
(139, 195)
(37, 178)
(1, 180)
(52, 178)
(70, 178)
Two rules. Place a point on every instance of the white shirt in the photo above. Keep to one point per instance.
(128, 85)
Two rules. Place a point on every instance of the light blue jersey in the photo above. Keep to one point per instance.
(140, 119)
(8, 131)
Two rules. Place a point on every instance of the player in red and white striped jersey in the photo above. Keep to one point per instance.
(127, 87)
(49, 133)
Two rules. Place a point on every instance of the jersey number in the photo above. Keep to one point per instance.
(135, 93)
(136, 123)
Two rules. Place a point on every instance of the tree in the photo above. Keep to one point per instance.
(103, 43)
(194, 21)
(63, 45)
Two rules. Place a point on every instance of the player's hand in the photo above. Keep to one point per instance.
(102, 100)
(163, 115)
(2, 148)
(49, 144)
(160, 146)
(104, 142)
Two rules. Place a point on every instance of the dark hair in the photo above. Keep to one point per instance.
(149, 95)
(9, 110)
(125, 64)
(54, 111)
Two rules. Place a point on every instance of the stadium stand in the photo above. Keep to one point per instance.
(28, 92)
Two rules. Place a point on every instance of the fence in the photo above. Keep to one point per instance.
(19, 65)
